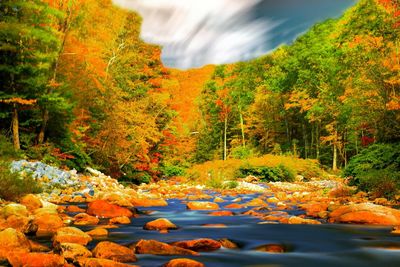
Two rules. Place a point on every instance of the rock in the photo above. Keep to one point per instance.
(71, 235)
(36, 260)
(98, 232)
(272, 200)
(226, 243)
(43, 211)
(93, 262)
(255, 202)
(251, 179)
(14, 209)
(299, 220)
(214, 225)
(234, 206)
(218, 200)
(271, 248)
(31, 201)
(202, 205)
(146, 202)
(47, 224)
(381, 201)
(199, 245)
(160, 224)
(183, 263)
(396, 230)
(21, 223)
(113, 251)
(12, 240)
(221, 213)
(314, 209)
(73, 208)
(158, 248)
(37, 247)
(105, 209)
(365, 213)
(120, 220)
(85, 219)
(119, 199)
(72, 251)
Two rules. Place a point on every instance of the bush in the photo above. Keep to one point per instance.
(14, 185)
(7, 151)
(172, 171)
(376, 170)
(268, 174)
(241, 152)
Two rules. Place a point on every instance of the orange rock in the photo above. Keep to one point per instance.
(271, 248)
(226, 243)
(234, 206)
(202, 205)
(47, 223)
(298, 220)
(31, 201)
(204, 244)
(104, 209)
(37, 247)
(214, 225)
(146, 202)
(158, 248)
(35, 260)
(314, 209)
(366, 213)
(98, 232)
(160, 224)
(72, 251)
(71, 235)
(74, 208)
(93, 262)
(12, 240)
(21, 223)
(113, 251)
(218, 200)
(85, 219)
(183, 263)
(120, 220)
(221, 213)
(253, 213)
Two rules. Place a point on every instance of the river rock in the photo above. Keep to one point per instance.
(98, 232)
(105, 209)
(14, 209)
(120, 220)
(299, 220)
(12, 240)
(202, 205)
(147, 202)
(199, 245)
(47, 224)
(159, 248)
(31, 201)
(221, 213)
(36, 260)
(72, 251)
(315, 209)
(183, 263)
(93, 262)
(271, 248)
(160, 224)
(365, 213)
(37, 247)
(226, 243)
(113, 251)
(255, 202)
(21, 223)
(234, 206)
(74, 208)
(85, 219)
(71, 235)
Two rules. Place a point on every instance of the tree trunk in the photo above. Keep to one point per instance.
(225, 129)
(242, 128)
(334, 163)
(15, 128)
(317, 140)
(45, 120)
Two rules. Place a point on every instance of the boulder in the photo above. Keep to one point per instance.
(31, 201)
(105, 209)
(47, 224)
(14, 209)
(160, 224)
(36, 260)
(71, 235)
(37, 247)
(199, 245)
(158, 248)
(255, 202)
(113, 251)
(147, 202)
(202, 205)
(299, 220)
(226, 243)
(85, 219)
(365, 213)
(183, 263)
(234, 206)
(221, 213)
(98, 232)
(315, 209)
(93, 262)
(72, 251)
(218, 200)
(271, 248)
(115, 198)
(120, 220)
(21, 223)
(73, 208)
(12, 240)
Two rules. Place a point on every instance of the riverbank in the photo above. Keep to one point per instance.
(92, 220)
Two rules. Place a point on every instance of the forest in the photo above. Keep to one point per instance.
(79, 87)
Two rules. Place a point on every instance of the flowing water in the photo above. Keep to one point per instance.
(327, 245)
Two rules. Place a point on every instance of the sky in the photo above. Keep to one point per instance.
(194, 33)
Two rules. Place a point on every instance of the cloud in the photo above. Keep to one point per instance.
(198, 32)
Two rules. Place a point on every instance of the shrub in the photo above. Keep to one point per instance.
(7, 151)
(172, 171)
(241, 152)
(268, 174)
(376, 170)
(15, 185)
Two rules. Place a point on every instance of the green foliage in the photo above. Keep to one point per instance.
(376, 169)
(170, 171)
(7, 151)
(241, 152)
(279, 173)
(14, 185)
